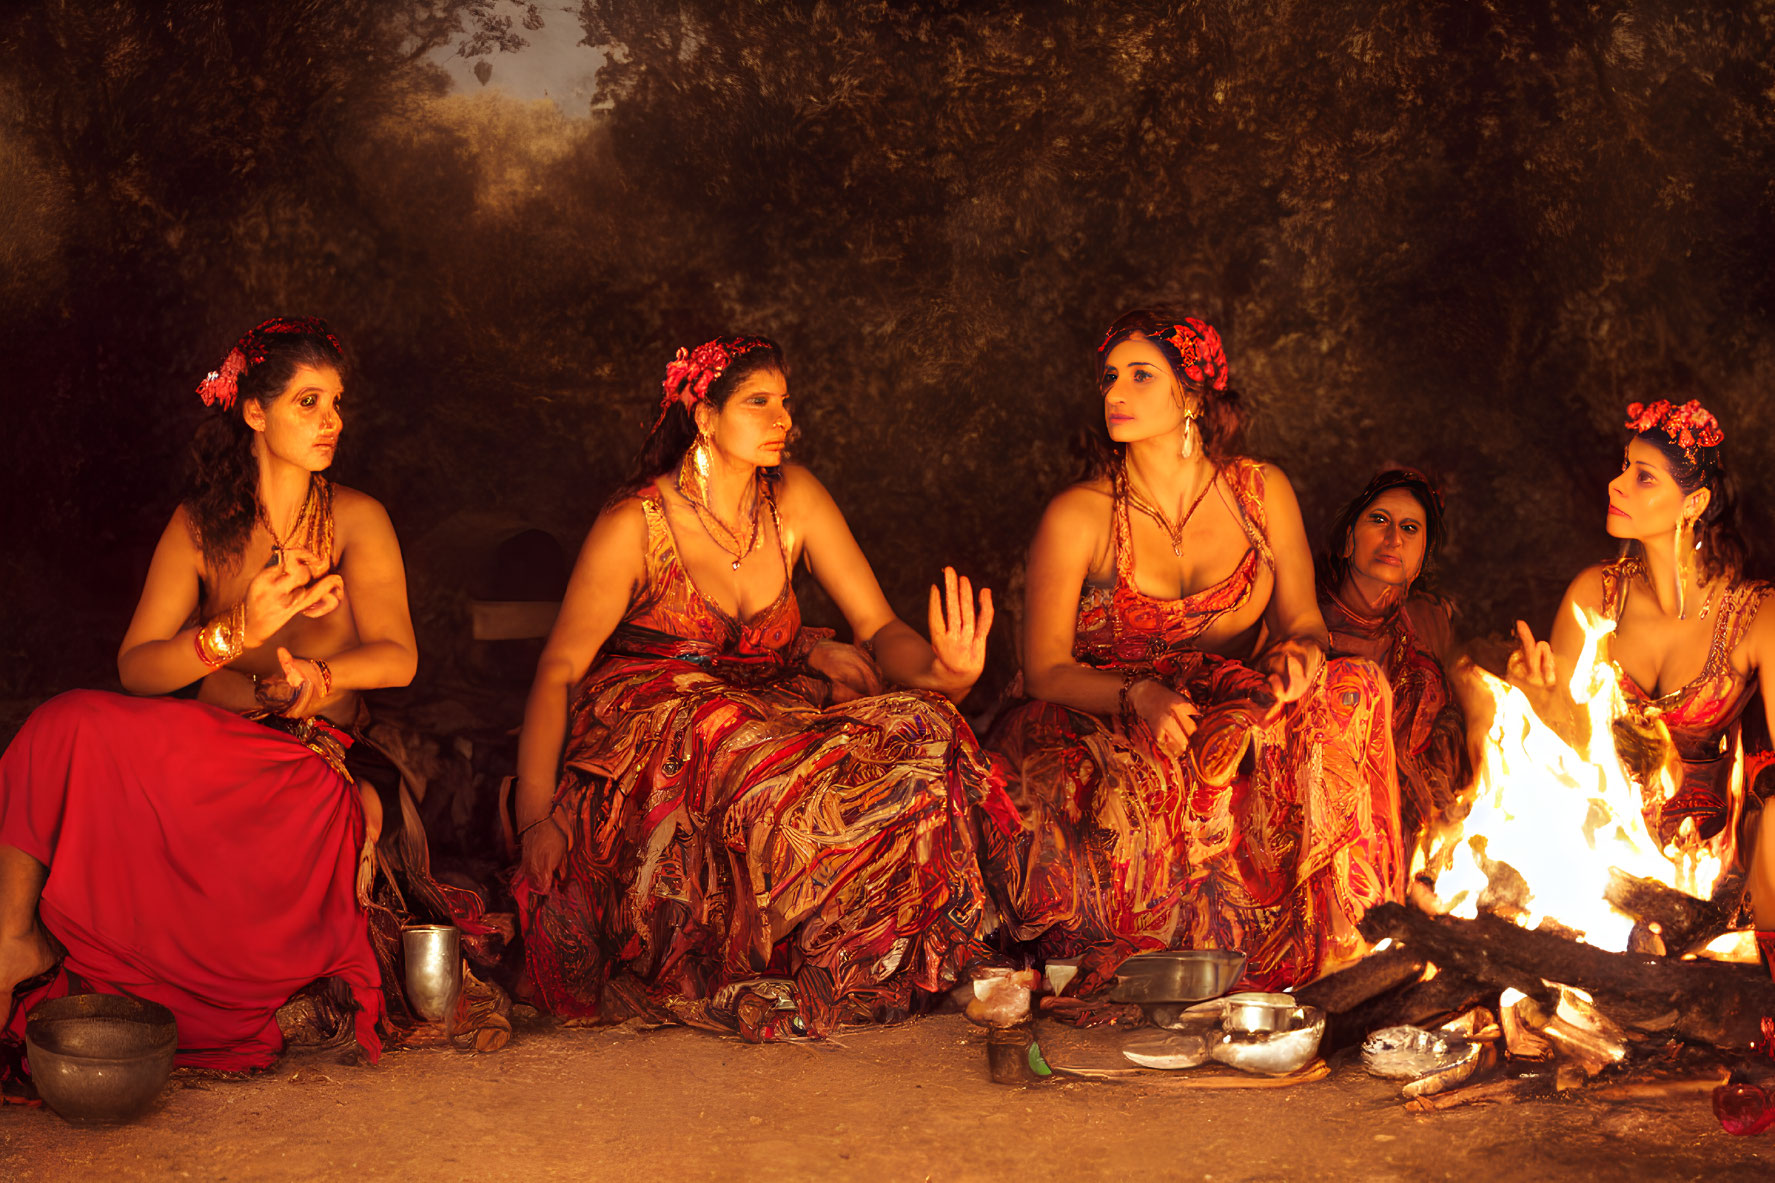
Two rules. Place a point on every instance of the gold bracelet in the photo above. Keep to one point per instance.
(223, 638)
(326, 677)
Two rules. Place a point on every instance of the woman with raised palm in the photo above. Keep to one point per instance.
(723, 819)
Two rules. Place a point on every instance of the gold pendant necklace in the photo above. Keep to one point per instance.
(278, 545)
(1140, 502)
(723, 535)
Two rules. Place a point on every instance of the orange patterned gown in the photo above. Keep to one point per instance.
(1129, 849)
(1703, 720)
(729, 834)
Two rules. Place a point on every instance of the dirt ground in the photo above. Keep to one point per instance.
(908, 1102)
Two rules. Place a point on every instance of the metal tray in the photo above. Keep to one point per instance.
(1183, 975)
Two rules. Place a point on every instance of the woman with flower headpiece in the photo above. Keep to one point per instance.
(1691, 643)
(211, 855)
(1372, 576)
(1192, 772)
(723, 820)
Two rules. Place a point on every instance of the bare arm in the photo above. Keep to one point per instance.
(1542, 670)
(906, 658)
(159, 654)
(1292, 616)
(375, 581)
(611, 566)
(1068, 544)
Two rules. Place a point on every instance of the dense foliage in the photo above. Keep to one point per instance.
(1450, 234)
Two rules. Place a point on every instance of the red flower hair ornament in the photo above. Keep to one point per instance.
(221, 386)
(1203, 358)
(1688, 425)
(690, 374)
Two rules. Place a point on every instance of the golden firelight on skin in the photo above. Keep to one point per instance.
(302, 426)
(753, 425)
(1645, 501)
(1141, 396)
(1391, 528)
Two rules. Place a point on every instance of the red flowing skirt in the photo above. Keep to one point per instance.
(196, 859)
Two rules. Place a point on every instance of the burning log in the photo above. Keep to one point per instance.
(1417, 1004)
(1685, 923)
(1377, 974)
(1702, 1001)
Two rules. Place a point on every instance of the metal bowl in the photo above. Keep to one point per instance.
(1277, 1052)
(1253, 1013)
(1177, 975)
(100, 1057)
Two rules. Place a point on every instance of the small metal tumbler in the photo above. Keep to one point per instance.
(434, 970)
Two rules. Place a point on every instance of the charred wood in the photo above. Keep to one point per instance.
(1374, 975)
(1712, 1002)
(1685, 923)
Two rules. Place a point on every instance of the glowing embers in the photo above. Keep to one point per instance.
(1551, 817)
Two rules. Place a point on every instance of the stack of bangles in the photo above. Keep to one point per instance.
(222, 638)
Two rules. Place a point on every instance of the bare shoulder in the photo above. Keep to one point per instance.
(1077, 521)
(798, 486)
(180, 535)
(1081, 504)
(1277, 489)
(1588, 589)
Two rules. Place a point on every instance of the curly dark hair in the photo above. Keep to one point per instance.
(666, 444)
(222, 478)
(1222, 417)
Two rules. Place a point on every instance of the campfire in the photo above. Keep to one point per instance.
(1559, 931)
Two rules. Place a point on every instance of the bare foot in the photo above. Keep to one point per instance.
(22, 958)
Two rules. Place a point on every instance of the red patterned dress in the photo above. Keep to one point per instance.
(726, 829)
(1429, 728)
(1703, 719)
(1130, 850)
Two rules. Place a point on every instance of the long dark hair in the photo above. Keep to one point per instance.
(222, 476)
(1222, 416)
(1334, 565)
(1718, 529)
(675, 431)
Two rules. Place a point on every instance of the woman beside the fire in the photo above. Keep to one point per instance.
(1191, 770)
(211, 855)
(744, 832)
(1691, 642)
(1380, 556)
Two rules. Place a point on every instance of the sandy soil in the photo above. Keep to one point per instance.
(909, 1102)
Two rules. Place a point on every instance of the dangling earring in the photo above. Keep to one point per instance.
(696, 468)
(1187, 446)
(1685, 564)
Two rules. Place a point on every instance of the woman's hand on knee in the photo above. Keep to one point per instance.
(1167, 714)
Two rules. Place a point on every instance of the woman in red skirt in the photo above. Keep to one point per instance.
(211, 855)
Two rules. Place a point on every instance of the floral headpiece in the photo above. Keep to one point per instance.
(221, 386)
(1201, 355)
(690, 374)
(1688, 425)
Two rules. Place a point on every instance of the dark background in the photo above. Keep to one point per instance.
(1457, 235)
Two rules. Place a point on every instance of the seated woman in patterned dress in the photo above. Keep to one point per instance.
(723, 821)
(1692, 643)
(212, 855)
(1191, 771)
(1380, 546)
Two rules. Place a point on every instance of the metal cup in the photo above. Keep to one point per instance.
(434, 970)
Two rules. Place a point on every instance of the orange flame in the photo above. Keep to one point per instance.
(1557, 816)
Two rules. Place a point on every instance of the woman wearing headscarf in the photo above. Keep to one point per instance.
(1373, 594)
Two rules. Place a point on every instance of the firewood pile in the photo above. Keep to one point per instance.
(1550, 1014)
